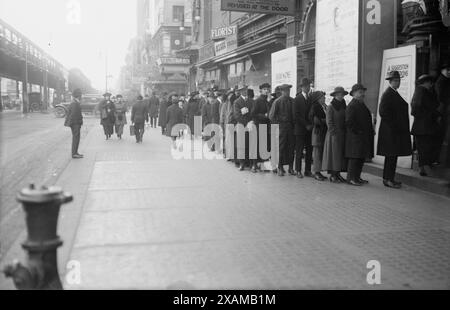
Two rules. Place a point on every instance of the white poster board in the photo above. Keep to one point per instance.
(284, 69)
(402, 59)
(337, 45)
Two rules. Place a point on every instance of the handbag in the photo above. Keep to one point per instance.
(132, 130)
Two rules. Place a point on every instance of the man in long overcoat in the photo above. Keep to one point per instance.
(281, 114)
(139, 116)
(242, 114)
(74, 120)
(153, 109)
(164, 104)
(394, 139)
(359, 144)
(174, 116)
(193, 110)
(260, 116)
(442, 88)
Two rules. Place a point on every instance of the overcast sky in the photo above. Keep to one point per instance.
(53, 26)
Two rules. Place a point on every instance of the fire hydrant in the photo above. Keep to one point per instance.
(42, 206)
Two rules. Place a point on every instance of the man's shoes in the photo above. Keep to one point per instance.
(319, 177)
(76, 156)
(300, 175)
(241, 167)
(354, 183)
(255, 169)
(397, 183)
(82, 156)
(308, 174)
(281, 172)
(291, 172)
(363, 181)
(391, 184)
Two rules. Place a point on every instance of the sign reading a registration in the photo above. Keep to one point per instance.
(281, 7)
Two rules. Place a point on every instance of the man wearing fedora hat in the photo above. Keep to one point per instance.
(74, 120)
(281, 114)
(242, 113)
(394, 138)
(442, 88)
(359, 144)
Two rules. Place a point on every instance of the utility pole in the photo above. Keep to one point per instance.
(25, 86)
(106, 70)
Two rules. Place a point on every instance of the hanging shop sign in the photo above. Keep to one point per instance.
(173, 61)
(445, 12)
(280, 7)
(227, 45)
(403, 60)
(223, 32)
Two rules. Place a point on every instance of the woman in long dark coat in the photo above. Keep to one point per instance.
(108, 117)
(425, 128)
(319, 119)
(334, 149)
(394, 137)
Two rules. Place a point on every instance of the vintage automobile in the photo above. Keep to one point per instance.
(89, 105)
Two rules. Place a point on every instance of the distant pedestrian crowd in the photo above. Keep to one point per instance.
(314, 138)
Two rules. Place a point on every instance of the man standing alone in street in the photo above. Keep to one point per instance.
(139, 115)
(74, 120)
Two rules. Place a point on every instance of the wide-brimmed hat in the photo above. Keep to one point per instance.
(77, 93)
(305, 82)
(107, 95)
(265, 85)
(393, 75)
(424, 78)
(339, 90)
(316, 95)
(119, 96)
(357, 87)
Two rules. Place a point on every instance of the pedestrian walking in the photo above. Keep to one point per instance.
(192, 111)
(74, 120)
(281, 114)
(442, 88)
(162, 112)
(153, 109)
(394, 139)
(174, 116)
(334, 150)
(139, 116)
(318, 118)
(260, 117)
(425, 129)
(359, 144)
(107, 114)
(121, 116)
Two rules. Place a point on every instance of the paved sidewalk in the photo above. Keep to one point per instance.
(142, 220)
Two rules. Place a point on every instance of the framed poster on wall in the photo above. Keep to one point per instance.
(402, 59)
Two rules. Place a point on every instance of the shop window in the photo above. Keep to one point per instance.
(178, 13)
(248, 65)
(239, 68)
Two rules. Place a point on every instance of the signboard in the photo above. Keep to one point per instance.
(401, 59)
(337, 44)
(281, 7)
(223, 32)
(227, 45)
(378, 33)
(173, 61)
(206, 51)
(284, 69)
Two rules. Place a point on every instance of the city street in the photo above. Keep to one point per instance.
(34, 148)
(142, 220)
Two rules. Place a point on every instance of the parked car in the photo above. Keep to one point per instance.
(89, 105)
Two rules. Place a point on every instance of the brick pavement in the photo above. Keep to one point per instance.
(146, 221)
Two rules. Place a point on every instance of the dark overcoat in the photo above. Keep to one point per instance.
(139, 113)
(360, 134)
(424, 108)
(301, 110)
(153, 107)
(239, 104)
(215, 111)
(192, 110)
(163, 112)
(174, 116)
(334, 149)
(394, 137)
(281, 114)
(74, 115)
